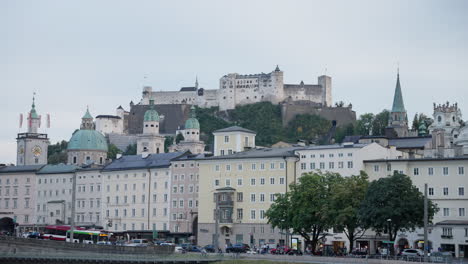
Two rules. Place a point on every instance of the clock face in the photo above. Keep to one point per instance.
(36, 151)
(21, 150)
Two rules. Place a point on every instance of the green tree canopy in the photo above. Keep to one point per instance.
(131, 150)
(168, 140)
(307, 127)
(304, 209)
(380, 123)
(112, 151)
(394, 204)
(57, 153)
(347, 194)
(364, 124)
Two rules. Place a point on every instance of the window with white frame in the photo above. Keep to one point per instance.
(445, 190)
(461, 170)
(322, 165)
(312, 165)
(281, 180)
(228, 182)
(254, 166)
(262, 214)
(350, 164)
(272, 180)
(272, 166)
(239, 182)
(461, 191)
(447, 231)
(252, 197)
(216, 182)
(240, 167)
(431, 191)
(461, 211)
(331, 165)
(430, 171)
(216, 167)
(416, 171)
(445, 170)
(376, 168)
(281, 165)
(262, 166)
(446, 212)
(252, 182)
(252, 214)
(228, 167)
(262, 181)
(262, 197)
(303, 166)
(226, 139)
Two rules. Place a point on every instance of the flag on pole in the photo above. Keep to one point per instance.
(48, 120)
(29, 120)
(40, 120)
(21, 121)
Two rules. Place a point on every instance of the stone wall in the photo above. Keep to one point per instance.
(39, 246)
(342, 115)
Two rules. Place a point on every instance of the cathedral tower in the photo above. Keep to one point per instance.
(150, 142)
(398, 120)
(32, 146)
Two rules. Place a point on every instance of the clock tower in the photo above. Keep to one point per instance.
(32, 146)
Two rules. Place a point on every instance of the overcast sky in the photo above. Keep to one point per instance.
(96, 53)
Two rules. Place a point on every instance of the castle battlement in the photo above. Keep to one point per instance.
(240, 89)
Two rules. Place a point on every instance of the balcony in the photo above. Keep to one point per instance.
(228, 203)
(225, 221)
(447, 236)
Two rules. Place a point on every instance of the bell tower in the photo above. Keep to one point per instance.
(31, 145)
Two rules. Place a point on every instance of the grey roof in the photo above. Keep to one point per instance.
(108, 116)
(24, 168)
(409, 142)
(417, 159)
(235, 128)
(335, 146)
(190, 157)
(188, 89)
(354, 139)
(59, 168)
(258, 153)
(453, 222)
(130, 162)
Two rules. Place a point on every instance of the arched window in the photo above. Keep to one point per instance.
(152, 125)
(157, 150)
(74, 160)
(100, 160)
(439, 118)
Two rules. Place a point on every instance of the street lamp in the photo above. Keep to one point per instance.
(389, 221)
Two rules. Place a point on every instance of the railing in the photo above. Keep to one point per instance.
(32, 135)
(226, 203)
(446, 236)
(226, 221)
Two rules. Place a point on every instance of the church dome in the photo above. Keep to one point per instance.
(151, 114)
(192, 122)
(87, 139)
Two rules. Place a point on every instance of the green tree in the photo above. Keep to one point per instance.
(131, 150)
(342, 132)
(415, 125)
(304, 209)
(112, 151)
(364, 124)
(394, 204)
(57, 153)
(307, 127)
(168, 141)
(347, 194)
(209, 122)
(263, 118)
(380, 123)
(179, 138)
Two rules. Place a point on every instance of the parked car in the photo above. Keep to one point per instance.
(412, 252)
(279, 250)
(293, 251)
(179, 249)
(238, 248)
(194, 249)
(209, 249)
(138, 243)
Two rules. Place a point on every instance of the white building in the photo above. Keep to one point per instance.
(88, 206)
(238, 89)
(346, 159)
(18, 195)
(136, 192)
(447, 187)
(54, 185)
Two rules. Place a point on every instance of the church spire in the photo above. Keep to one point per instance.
(196, 82)
(33, 108)
(398, 105)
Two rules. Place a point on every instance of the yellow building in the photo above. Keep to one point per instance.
(232, 140)
(242, 187)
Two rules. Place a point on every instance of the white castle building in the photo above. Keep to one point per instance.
(236, 89)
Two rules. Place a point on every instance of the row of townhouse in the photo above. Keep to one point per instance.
(132, 193)
(236, 191)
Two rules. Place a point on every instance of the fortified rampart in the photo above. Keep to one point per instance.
(341, 115)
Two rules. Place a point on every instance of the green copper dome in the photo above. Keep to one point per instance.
(192, 122)
(87, 115)
(87, 139)
(151, 114)
(33, 110)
